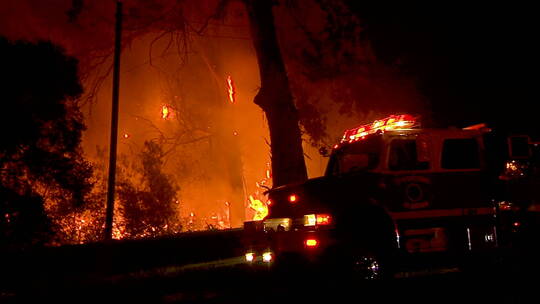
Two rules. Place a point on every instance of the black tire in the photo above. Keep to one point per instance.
(368, 242)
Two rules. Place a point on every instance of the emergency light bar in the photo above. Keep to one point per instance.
(392, 122)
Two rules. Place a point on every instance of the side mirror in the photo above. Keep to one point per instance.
(519, 147)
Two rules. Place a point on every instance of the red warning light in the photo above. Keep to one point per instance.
(392, 122)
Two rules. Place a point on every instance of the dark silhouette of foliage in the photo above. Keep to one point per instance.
(40, 125)
(148, 199)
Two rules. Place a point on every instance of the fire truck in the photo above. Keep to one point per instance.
(394, 191)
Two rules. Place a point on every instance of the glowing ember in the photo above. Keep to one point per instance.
(230, 89)
(261, 209)
(166, 112)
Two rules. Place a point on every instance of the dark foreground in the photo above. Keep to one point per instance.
(209, 268)
(231, 281)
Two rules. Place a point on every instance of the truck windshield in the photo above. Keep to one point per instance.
(359, 156)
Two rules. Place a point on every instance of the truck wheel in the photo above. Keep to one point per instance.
(367, 267)
(359, 264)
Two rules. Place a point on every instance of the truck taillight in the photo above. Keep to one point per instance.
(293, 198)
(311, 243)
(317, 219)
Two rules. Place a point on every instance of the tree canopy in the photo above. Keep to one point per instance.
(41, 127)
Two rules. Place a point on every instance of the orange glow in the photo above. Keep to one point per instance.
(126, 136)
(311, 243)
(261, 209)
(230, 89)
(165, 112)
(293, 198)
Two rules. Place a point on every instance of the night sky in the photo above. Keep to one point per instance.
(475, 62)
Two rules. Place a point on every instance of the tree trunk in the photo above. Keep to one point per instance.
(275, 97)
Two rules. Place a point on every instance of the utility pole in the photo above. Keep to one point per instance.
(114, 124)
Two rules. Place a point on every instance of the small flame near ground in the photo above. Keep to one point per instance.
(260, 207)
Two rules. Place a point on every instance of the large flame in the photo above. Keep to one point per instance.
(261, 209)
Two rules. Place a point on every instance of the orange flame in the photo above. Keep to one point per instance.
(165, 112)
(230, 89)
(261, 209)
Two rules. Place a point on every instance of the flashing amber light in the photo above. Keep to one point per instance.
(293, 198)
(392, 122)
(230, 89)
(311, 243)
(310, 220)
